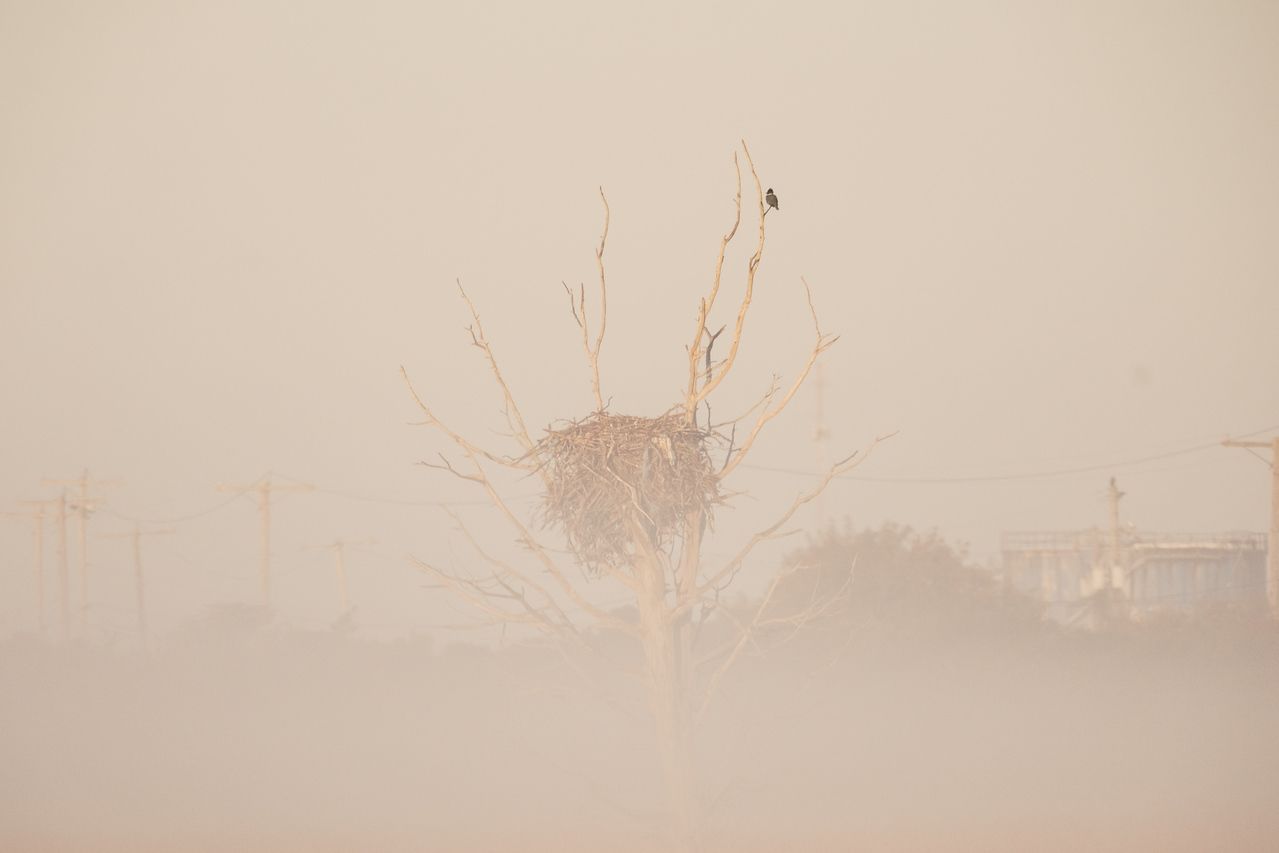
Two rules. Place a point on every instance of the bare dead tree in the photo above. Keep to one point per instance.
(634, 497)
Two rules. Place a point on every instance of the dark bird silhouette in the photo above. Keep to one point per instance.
(771, 198)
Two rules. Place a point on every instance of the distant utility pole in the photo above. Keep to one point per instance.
(338, 547)
(64, 585)
(83, 505)
(821, 439)
(1116, 546)
(264, 488)
(138, 586)
(37, 515)
(1272, 547)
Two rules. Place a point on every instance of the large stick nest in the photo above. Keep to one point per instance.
(608, 473)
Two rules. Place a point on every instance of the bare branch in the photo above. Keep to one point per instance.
(821, 343)
(771, 532)
(448, 466)
(710, 345)
(524, 535)
(528, 540)
(510, 408)
(763, 400)
(658, 555)
(745, 637)
(578, 306)
(572, 305)
(462, 442)
(482, 600)
(592, 352)
(732, 439)
(751, 268)
(599, 335)
(708, 303)
(508, 570)
(815, 610)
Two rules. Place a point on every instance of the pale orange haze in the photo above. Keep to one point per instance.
(1047, 235)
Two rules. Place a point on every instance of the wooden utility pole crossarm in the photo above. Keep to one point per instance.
(83, 505)
(264, 488)
(1272, 547)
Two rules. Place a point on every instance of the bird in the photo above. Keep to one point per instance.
(771, 198)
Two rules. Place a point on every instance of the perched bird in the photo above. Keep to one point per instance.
(771, 198)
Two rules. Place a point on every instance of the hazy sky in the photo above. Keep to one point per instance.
(1046, 233)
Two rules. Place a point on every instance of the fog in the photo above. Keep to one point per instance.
(1043, 234)
(968, 737)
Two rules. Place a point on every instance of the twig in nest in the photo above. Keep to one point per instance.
(608, 471)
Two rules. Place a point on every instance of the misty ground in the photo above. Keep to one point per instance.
(859, 735)
(933, 709)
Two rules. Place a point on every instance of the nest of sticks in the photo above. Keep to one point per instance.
(607, 473)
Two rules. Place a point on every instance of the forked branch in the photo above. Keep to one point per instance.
(461, 441)
(577, 305)
(599, 334)
(524, 534)
(704, 308)
(503, 569)
(821, 343)
(698, 396)
(485, 598)
(510, 409)
(817, 608)
(731, 567)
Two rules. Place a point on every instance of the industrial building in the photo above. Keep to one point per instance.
(1139, 572)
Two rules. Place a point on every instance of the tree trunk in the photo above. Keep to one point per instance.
(662, 637)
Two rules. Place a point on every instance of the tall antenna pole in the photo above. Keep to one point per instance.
(1272, 547)
(1116, 550)
(264, 489)
(64, 591)
(821, 440)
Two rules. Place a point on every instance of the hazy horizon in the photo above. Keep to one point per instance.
(1044, 234)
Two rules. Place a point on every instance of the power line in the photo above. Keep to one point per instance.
(354, 496)
(903, 480)
(402, 502)
(190, 516)
(175, 518)
(1000, 478)
(265, 488)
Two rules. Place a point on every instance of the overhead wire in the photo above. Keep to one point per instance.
(176, 518)
(999, 478)
(866, 478)
(342, 493)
